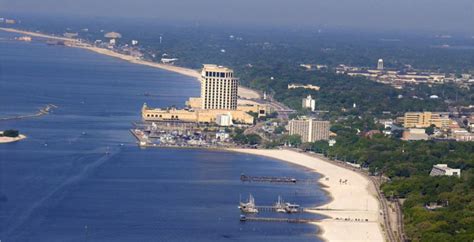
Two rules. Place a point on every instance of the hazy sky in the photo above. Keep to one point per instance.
(432, 15)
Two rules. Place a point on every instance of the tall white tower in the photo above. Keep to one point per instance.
(218, 88)
(380, 64)
(309, 102)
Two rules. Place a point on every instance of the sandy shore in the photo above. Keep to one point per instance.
(354, 200)
(242, 92)
(4, 140)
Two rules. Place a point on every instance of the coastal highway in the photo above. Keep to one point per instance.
(391, 236)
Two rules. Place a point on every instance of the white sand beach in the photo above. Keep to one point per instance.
(354, 199)
(4, 140)
(243, 92)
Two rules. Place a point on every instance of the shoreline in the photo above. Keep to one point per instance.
(354, 200)
(243, 92)
(340, 196)
(6, 140)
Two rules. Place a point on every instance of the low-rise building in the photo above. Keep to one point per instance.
(415, 134)
(444, 170)
(195, 116)
(222, 135)
(460, 134)
(308, 86)
(224, 119)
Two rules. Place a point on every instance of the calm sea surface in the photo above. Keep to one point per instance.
(60, 185)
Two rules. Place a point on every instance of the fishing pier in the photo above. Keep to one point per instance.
(276, 180)
(285, 220)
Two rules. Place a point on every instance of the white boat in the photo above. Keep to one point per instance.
(292, 208)
(279, 206)
(249, 206)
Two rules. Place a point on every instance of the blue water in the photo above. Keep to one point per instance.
(79, 175)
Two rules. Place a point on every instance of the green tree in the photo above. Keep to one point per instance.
(11, 133)
(430, 130)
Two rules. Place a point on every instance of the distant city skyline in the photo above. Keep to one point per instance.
(424, 15)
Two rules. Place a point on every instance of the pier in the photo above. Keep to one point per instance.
(285, 220)
(300, 209)
(275, 209)
(272, 179)
(244, 218)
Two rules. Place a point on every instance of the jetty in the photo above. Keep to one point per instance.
(42, 111)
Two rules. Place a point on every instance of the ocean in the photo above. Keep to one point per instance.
(79, 176)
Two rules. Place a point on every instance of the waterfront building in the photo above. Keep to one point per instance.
(380, 64)
(309, 102)
(218, 88)
(194, 116)
(310, 130)
(425, 120)
(222, 135)
(218, 97)
(444, 170)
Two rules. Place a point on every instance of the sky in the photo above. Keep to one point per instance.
(412, 15)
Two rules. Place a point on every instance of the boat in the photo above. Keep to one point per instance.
(279, 206)
(292, 208)
(282, 207)
(249, 206)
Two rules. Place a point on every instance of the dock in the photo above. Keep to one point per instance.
(274, 179)
(270, 179)
(284, 220)
(274, 209)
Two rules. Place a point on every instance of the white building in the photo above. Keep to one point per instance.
(224, 119)
(444, 170)
(222, 135)
(380, 64)
(309, 102)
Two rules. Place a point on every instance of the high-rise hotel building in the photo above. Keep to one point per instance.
(218, 88)
(310, 130)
